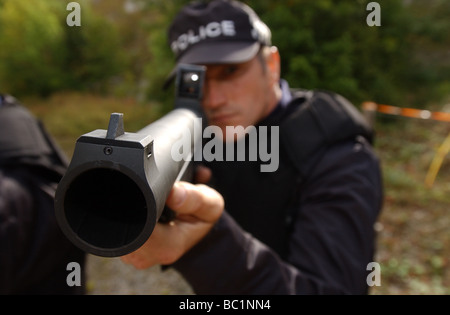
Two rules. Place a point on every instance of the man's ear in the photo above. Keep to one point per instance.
(274, 63)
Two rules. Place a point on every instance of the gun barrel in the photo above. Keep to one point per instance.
(115, 188)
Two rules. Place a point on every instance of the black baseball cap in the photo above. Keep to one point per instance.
(217, 32)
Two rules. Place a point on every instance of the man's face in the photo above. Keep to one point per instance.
(238, 94)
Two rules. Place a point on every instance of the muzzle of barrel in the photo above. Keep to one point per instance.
(106, 211)
(115, 188)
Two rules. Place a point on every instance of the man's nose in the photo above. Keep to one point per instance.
(214, 95)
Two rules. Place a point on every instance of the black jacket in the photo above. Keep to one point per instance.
(306, 228)
(34, 254)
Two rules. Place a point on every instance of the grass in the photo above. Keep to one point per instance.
(413, 229)
(413, 245)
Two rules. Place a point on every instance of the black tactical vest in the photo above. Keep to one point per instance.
(264, 204)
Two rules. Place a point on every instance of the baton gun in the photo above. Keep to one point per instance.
(117, 183)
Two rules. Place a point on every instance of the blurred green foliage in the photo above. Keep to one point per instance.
(41, 54)
(31, 38)
(327, 44)
(122, 48)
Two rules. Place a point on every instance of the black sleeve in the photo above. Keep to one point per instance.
(34, 253)
(15, 224)
(331, 244)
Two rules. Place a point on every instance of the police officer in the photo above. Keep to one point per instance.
(34, 254)
(306, 228)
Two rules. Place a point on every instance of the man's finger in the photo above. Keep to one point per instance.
(198, 200)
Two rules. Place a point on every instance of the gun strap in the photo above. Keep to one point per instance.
(324, 118)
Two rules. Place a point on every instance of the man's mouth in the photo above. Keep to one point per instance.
(221, 119)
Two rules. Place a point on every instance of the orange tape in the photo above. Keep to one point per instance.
(443, 150)
(406, 112)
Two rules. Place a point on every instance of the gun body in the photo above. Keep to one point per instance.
(115, 188)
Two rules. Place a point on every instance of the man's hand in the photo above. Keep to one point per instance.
(198, 208)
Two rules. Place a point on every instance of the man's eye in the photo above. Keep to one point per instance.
(225, 72)
(230, 70)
